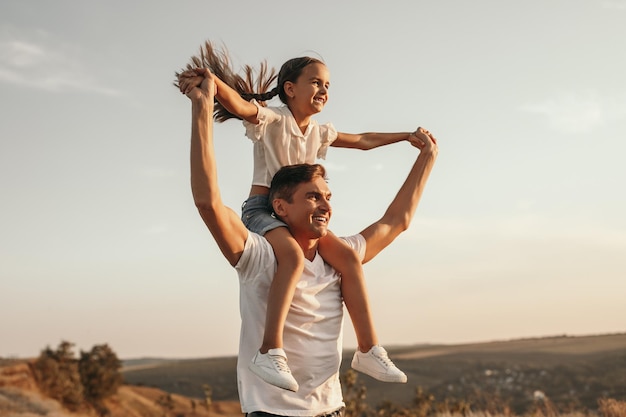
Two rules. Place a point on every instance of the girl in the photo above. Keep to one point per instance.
(288, 135)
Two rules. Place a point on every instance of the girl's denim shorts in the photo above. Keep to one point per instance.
(257, 216)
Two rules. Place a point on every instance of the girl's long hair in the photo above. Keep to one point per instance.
(248, 86)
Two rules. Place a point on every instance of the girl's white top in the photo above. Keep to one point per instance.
(278, 141)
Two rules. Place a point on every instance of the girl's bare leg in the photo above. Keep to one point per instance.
(370, 358)
(345, 260)
(290, 265)
(270, 362)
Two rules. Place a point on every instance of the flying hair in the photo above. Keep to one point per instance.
(248, 86)
(253, 84)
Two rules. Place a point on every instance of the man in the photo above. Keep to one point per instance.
(313, 331)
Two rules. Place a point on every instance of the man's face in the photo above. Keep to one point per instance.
(309, 212)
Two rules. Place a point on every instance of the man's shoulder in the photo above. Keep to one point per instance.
(356, 242)
(256, 242)
(256, 249)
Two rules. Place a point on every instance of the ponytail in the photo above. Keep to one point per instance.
(261, 97)
(219, 63)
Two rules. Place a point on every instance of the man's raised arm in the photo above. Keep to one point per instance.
(224, 224)
(402, 209)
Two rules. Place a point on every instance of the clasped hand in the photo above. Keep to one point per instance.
(422, 139)
(190, 79)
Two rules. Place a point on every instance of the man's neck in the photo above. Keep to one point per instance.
(309, 247)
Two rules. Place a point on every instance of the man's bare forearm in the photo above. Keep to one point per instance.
(402, 209)
(224, 224)
(203, 168)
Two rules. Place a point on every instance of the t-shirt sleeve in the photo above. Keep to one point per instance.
(257, 254)
(328, 134)
(265, 116)
(356, 242)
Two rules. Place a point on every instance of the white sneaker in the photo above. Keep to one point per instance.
(272, 368)
(377, 364)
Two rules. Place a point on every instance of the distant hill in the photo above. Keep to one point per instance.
(573, 372)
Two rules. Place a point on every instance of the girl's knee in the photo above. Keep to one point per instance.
(289, 255)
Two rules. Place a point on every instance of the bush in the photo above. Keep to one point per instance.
(75, 383)
(610, 407)
(57, 375)
(99, 373)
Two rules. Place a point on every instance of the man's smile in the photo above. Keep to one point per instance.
(321, 219)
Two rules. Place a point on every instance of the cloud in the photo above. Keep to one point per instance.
(47, 64)
(577, 113)
(21, 54)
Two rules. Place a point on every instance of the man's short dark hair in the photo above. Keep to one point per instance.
(287, 179)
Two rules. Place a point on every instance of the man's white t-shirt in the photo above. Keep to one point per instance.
(312, 334)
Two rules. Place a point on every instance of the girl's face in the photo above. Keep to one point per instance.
(309, 93)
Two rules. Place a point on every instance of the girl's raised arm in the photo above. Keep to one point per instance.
(234, 103)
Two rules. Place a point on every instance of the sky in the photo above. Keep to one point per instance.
(520, 233)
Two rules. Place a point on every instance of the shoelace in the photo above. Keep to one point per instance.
(280, 363)
(384, 359)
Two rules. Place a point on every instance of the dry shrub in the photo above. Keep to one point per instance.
(57, 375)
(609, 407)
(100, 373)
(354, 395)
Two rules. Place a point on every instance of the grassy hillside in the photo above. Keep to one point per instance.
(20, 396)
(186, 377)
(572, 372)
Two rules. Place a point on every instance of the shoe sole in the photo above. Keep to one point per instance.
(270, 379)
